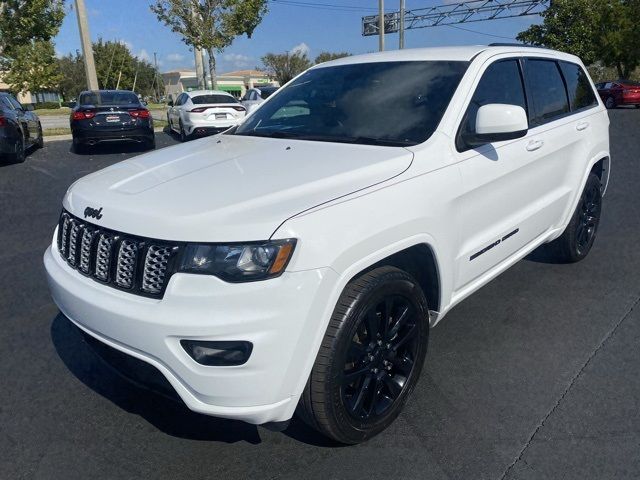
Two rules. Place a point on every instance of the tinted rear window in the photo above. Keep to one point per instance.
(108, 98)
(580, 92)
(212, 99)
(547, 91)
(267, 92)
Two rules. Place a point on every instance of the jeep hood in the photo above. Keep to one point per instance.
(228, 188)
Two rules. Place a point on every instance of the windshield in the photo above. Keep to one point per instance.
(265, 92)
(209, 99)
(108, 98)
(385, 103)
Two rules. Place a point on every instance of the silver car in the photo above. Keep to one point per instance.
(255, 96)
(203, 112)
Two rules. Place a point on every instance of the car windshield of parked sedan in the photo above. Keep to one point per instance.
(108, 98)
(384, 103)
(209, 99)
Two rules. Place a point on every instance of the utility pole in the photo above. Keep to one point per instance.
(401, 26)
(87, 49)
(155, 62)
(381, 25)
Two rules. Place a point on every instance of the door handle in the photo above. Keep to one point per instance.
(534, 145)
(582, 126)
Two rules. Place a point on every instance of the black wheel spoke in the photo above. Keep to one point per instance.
(394, 385)
(403, 364)
(352, 375)
(404, 337)
(372, 325)
(375, 395)
(402, 318)
(362, 391)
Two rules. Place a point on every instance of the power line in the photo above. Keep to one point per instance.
(481, 33)
(323, 6)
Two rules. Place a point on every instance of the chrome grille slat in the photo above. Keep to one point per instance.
(139, 265)
(126, 263)
(103, 257)
(155, 268)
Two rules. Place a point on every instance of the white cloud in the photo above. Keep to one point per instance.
(127, 44)
(300, 49)
(144, 55)
(237, 60)
(175, 57)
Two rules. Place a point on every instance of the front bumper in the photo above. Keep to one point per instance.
(275, 315)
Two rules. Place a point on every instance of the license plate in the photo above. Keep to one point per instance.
(221, 115)
(113, 118)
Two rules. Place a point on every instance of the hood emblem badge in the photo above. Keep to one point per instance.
(93, 212)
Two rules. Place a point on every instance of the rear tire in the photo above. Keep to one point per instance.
(370, 358)
(610, 103)
(78, 147)
(150, 144)
(40, 141)
(576, 241)
(183, 134)
(19, 154)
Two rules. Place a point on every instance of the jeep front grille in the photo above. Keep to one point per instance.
(139, 265)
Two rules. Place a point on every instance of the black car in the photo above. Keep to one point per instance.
(108, 116)
(20, 129)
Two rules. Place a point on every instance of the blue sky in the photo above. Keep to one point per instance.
(285, 27)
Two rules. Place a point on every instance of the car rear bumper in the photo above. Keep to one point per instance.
(208, 126)
(273, 315)
(631, 100)
(97, 135)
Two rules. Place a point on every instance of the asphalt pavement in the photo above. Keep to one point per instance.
(533, 377)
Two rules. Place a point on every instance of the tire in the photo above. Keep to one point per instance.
(19, 154)
(576, 241)
(340, 403)
(150, 143)
(610, 103)
(183, 134)
(78, 147)
(40, 141)
(637, 106)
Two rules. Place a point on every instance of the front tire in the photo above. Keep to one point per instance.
(19, 154)
(576, 241)
(40, 141)
(370, 358)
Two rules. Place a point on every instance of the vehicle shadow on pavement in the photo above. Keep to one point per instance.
(169, 416)
(110, 149)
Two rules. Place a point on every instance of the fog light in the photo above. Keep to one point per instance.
(218, 353)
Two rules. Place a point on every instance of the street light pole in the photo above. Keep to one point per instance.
(381, 25)
(401, 26)
(87, 49)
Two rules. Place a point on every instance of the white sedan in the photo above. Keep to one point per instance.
(202, 112)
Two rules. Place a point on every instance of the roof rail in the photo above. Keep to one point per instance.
(507, 44)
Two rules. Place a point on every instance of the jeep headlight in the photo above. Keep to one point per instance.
(238, 262)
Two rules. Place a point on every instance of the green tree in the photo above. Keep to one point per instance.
(23, 21)
(328, 56)
(32, 67)
(594, 30)
(284, 66)
(113, 61)
(211, 25)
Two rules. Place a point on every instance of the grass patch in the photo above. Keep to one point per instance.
(48, 132)
(53, 111)
(156, 106)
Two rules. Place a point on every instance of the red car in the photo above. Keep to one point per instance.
(622, 92)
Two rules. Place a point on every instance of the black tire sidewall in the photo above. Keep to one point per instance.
(571, 238)
(349, 429)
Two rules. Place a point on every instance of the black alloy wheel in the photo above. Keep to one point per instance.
(370, 358)
(577, 239)
(183, 134)
(590, 207)
(40, 141)
(380, 358)
(19, 154)
(610, 103)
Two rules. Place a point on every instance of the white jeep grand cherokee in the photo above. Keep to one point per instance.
(299, 259)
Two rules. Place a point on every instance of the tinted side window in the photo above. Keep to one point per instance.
(14, 102)
(580, 92)
(500, 83)
(5, 103)
(547, 91)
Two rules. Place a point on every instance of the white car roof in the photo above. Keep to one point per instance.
(461, 53)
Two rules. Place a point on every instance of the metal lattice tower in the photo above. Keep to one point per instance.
(464, 12)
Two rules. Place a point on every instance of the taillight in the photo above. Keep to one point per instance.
(139, 113)
(198, 110)
(3, 121)
(239, 108)
(81, 115)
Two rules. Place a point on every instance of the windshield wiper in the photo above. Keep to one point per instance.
(273, 134)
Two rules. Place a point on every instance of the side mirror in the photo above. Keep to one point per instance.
(170, 103)
(497, 122)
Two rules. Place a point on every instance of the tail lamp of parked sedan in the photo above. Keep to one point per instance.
(83, 114)
(139, 113)
(3, 121)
